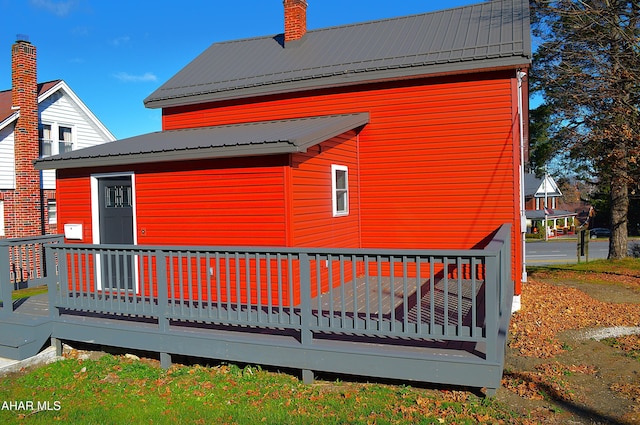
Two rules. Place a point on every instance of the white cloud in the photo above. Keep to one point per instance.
(120, 40)
(131, 78)
(58, 8)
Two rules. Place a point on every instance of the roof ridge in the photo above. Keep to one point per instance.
(356, 24)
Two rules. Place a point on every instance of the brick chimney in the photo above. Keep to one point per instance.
(295, 19)
(26, 220)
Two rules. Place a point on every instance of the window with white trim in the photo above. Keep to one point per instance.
(52, 212)
(340, 190)
(55, 139)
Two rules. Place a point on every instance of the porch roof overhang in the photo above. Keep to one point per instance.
(247, 139)
(540, 215)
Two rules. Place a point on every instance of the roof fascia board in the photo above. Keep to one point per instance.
(348, 79)
(11, 118)
(166, 156)
(325, 134)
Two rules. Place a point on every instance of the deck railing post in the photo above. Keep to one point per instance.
(163, 294)
(492, 306)
(163, 301)
(6, 287)
(53, 278)
(306, 336)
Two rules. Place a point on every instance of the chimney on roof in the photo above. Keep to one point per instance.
(26, 220)
(295, 19)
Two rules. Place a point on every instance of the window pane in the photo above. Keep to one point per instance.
(341, 201)
(341, 179)
(64, 134)
(52, 212)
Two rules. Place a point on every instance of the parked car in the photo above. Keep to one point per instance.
(599, 232)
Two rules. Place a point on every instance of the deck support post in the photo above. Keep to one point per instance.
(307, 376)
(491, 392)
(57, 344)
(165, 360)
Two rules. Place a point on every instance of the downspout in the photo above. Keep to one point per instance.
(523, 214)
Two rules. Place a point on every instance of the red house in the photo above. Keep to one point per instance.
(401, 133)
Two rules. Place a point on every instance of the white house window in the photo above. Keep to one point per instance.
(55, 139)
(46, 140)
(52, 212)
(340, 190)
(65, 140)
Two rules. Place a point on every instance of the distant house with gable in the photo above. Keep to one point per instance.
(541, 201)
(37, 120)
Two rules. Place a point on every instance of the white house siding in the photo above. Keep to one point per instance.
(59, 110)
(7, 166)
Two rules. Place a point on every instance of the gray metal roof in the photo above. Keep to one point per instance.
(540, 215)
(249, 139)
(491, 34)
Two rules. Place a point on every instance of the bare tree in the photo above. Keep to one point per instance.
(587, 69)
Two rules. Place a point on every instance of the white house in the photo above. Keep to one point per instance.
(63, 123)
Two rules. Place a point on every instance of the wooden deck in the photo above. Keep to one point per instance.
(444, 329)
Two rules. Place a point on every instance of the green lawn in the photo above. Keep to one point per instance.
(118, 390)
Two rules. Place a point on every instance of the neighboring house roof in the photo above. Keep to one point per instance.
(493, 35)
(45, 90)
(258, 138)
(551, 214)
(7, 114)
(535, 187)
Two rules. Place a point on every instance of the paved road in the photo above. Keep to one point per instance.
(541, 253)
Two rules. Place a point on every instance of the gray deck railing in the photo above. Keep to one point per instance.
(23, 265)
(393, 295)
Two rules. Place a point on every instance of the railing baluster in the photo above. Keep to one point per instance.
(343, 314)
(392, 292)
(405, 294)
(418, 295)
(238, 292)
(354, 280)
(330, 283)
(279, 265)
(432, 296)
(258, 288)
(367, 295)
(460, 272)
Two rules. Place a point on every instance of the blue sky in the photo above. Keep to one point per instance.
(115, 53)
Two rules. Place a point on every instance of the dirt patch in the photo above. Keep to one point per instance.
(556, 370)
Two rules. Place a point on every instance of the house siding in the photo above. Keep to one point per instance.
(235, 201)
(313, 223)
(7, 163)
(58, 109)
(437, 160)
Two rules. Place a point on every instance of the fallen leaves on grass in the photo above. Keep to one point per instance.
(549, 310)
(545, 381)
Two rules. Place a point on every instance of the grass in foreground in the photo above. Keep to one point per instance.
(115, 390)
(627, 266)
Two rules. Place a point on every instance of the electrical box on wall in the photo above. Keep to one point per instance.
(73, 232)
